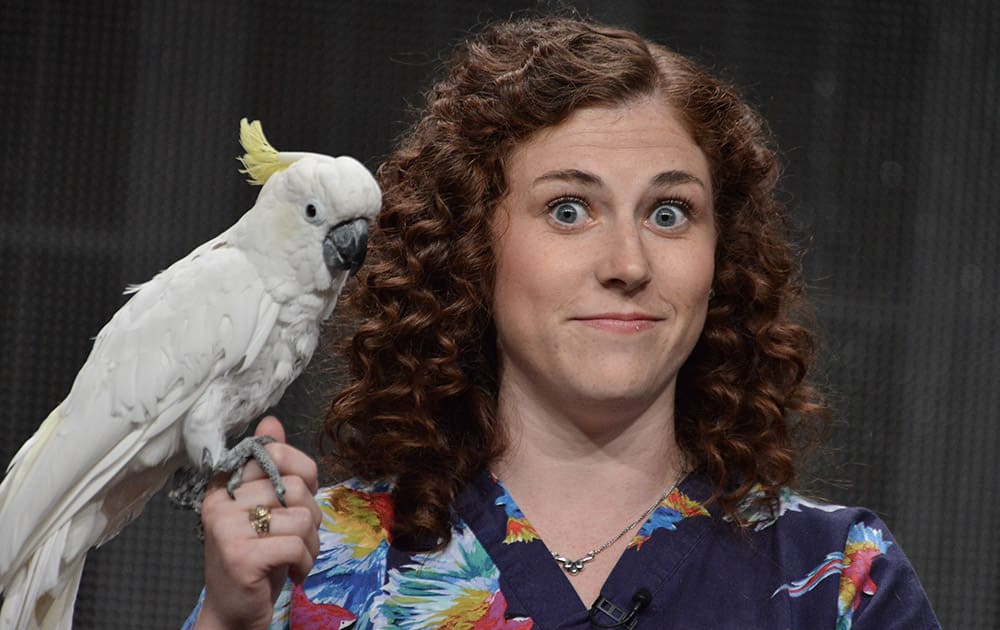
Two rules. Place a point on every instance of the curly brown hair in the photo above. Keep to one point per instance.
(420, 406)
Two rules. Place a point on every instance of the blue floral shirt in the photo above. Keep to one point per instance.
(809, 565)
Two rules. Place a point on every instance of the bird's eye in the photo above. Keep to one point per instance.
(669, 215)
(311, 211)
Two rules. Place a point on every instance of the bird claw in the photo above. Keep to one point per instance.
(236, 457)
(188, 489)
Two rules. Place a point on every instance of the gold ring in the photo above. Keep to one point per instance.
(260, 517)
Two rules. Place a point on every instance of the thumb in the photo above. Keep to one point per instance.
(271, 427)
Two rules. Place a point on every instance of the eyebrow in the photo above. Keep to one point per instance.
(569, 175)
(672, 178)
(666, 178)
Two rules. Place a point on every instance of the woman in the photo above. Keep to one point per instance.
(578, 326)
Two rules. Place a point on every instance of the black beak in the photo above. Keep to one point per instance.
(345, 246)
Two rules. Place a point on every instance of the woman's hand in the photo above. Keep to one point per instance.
(244, 571)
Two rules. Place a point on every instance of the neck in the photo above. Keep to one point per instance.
(629, 452)
(609, 462)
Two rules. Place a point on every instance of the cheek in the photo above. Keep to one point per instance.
(526, 268)
(515, 298)
(685, 277)
(530, 289)
(509, 291)
(703, 265)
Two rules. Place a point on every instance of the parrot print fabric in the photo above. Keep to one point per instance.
(853, 565)
(675, 508)
(701, 572)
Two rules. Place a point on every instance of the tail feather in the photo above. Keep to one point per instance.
(13, 539)
(42, 593)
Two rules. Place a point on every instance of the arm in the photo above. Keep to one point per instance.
(879, 588)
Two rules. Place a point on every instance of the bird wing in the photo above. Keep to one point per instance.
(205, 316)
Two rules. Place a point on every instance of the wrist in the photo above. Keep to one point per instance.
(211, 618)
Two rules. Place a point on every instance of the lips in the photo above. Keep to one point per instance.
(620, 322)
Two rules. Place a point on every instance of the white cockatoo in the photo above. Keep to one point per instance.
(195, 354)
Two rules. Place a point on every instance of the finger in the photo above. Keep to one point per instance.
(261, 492)
(268, 426)
(228, 518)
(290, 462)
(271, 426)
(272, 555)
(294, 521)
(217, 502)
(234, 527)
(301, 559)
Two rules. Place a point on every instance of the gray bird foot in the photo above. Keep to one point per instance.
(189, 488)
(235, 458)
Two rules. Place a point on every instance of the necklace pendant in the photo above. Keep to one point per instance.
(575, 566)
(572, 566)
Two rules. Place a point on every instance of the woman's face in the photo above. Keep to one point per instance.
(605, 249)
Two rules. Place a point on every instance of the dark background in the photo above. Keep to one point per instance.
(119, 124)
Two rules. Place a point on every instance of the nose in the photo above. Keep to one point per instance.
(624, 263)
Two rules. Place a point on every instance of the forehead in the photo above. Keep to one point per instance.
(633, 138)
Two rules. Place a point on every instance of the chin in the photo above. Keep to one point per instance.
(610, 397)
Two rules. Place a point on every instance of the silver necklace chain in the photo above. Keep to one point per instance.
(575, 566)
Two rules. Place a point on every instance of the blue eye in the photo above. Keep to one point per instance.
(567, 211)
(669, 214)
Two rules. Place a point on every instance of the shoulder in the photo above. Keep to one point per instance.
(354, 490)
(875, 583)
(801, 526)
(794, 508)
(356, 513)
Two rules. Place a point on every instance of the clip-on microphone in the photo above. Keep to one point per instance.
(623, 619)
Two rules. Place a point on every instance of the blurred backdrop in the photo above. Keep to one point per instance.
(119, 125)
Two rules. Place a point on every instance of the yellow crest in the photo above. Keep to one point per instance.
(261, 159)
